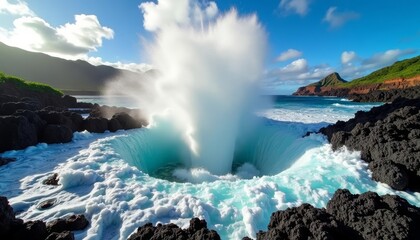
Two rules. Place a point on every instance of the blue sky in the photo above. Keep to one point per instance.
(307, 38)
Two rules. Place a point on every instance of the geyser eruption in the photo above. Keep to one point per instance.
(209, 64)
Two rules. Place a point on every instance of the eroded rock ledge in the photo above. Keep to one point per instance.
(388, 137)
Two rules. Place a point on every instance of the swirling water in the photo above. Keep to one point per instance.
(126, 179)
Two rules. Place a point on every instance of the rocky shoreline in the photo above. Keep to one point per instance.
(388, 137)
(27, 121)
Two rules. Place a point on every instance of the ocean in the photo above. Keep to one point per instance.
(125, 179)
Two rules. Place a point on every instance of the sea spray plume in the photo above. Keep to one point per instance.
(209, 64)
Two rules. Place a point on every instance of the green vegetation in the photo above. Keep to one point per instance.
(402, 69)
(333, 79)
(34, 86)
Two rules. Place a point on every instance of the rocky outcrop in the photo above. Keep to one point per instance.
(12, 228)
(26, 126)
(197, 230)
(306, 222)
(330, 82)
(16, 132)
(388, 137)
(387, 95)
(347, 216)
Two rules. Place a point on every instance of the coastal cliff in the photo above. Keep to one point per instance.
(401, 75)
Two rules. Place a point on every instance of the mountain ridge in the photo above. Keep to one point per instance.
(400, 75)
(60, 73)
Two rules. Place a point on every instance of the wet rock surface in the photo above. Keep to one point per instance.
(28, 121)
(388, 137)
(347, 216)
(12, 228)
(197, 230)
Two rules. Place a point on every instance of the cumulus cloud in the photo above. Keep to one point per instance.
(19, 8)
(354, 66)
(165, 13)
(297, 72)
(300, 7)
(347, 57)
(289, 54)
(71, 41)
(337, 19)
(134, 67)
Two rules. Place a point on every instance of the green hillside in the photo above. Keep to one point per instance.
(333, 79)
(33, 86)
(401, 69)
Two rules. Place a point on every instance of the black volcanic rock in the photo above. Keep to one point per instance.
(51, 180)
(71, 223)
(388, 95)
(305, 222)
(126, 121)
(12, 228)
(114, 125)
(16, 132)
(388, 137)
(53, 133)
(197, 230)
(347, 216)
(9, 108)
(375, 217)
(7, 217)
(95, 124)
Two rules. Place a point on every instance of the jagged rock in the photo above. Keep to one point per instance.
(55, 118)
(51, 180)
(4, 161)
(375, 217)
(35, 230)
(56, 134)
(4, 98)
(126, 121)
(7, 217)
(69, 101)
(66, 235)
(95, 124)
(32, 118)
(46, 204)
(71, 223)
(9, 108)
(387, 135)
(305, 222)
(114, 125)
(390, 173)
(197, 230)
(16, 132)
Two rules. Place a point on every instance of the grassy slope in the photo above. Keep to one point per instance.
(34, 86)
(401, 69)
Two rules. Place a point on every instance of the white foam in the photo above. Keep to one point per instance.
(117, 198)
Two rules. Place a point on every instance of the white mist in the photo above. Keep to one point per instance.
(209, 64)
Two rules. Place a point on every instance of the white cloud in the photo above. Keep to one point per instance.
(347, 57)
(165, 13)
(19, 8)
(361, 66)
(71, 41)
(134, 67)
(337, 19)
(289, 54)
(297, 72)
(297, 66)
(300, 7)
